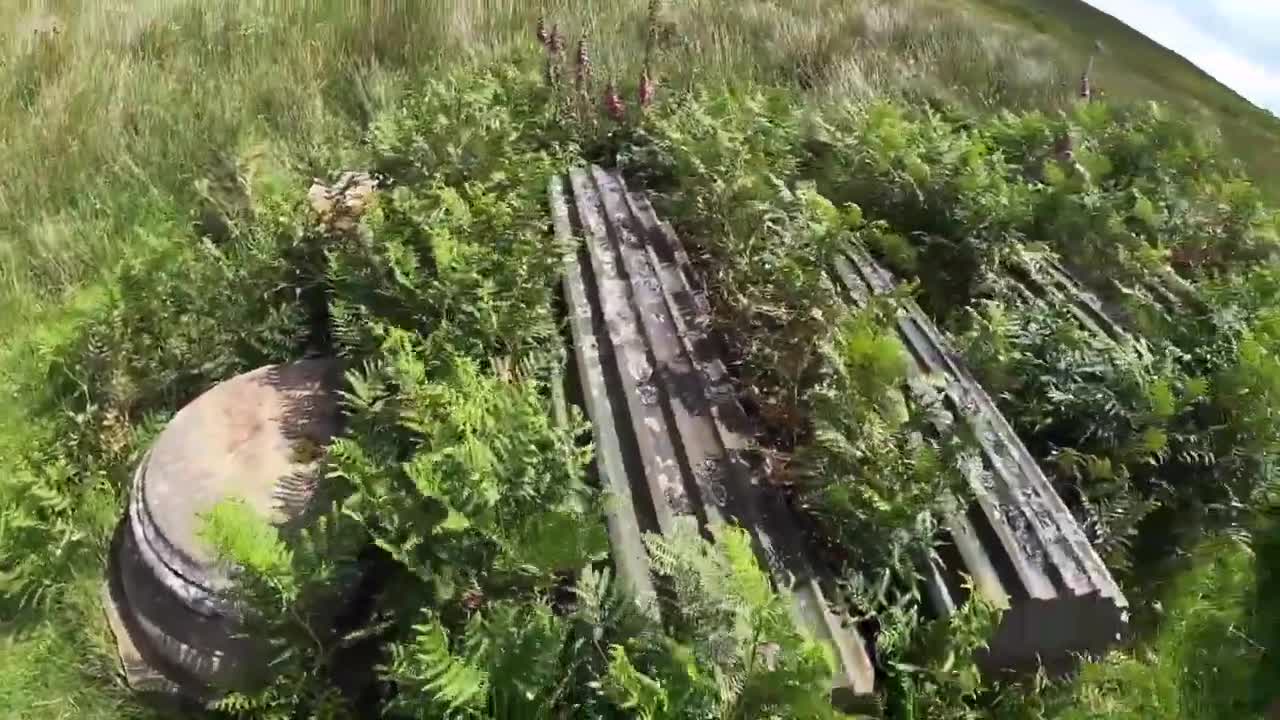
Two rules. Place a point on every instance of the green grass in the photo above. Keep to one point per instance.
(50, 673)
(134, 121)
(122, 124)
(1212, 657)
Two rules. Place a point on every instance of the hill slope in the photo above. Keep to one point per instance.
(1132, 66)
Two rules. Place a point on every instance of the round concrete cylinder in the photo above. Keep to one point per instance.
(256, 438)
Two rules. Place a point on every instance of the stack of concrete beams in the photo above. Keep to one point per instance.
(671, 437)
(1171, 295)
(1017, 541)
(253, 438)
(1045, 279)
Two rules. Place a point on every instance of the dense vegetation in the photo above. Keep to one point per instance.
(461, 482)
(1169, 433)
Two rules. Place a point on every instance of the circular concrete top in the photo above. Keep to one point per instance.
(256, 437)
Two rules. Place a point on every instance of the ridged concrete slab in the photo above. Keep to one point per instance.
(1017, 541)
(1047, 280)
(673, 438)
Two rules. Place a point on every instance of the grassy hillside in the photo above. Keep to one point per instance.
(1134, 67)
(115, 112)
(153, 217)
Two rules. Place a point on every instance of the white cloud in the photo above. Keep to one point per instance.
(1221, 37)
(1255, 81)
(1248, 13)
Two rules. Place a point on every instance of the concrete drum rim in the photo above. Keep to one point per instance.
(239, 439)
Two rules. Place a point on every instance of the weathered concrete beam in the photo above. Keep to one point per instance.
(1172, 295)
(776, 534)
(676, 439)
(591, 360)
(1046, 280)
(1049, 282)
(1180, 291)
(1017, 541)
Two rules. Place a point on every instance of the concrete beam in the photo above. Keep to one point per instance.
(655, 383)
(1017, 540)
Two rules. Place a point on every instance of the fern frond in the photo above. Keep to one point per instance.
(429, 674)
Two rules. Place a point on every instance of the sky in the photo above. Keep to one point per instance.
(1236, 41)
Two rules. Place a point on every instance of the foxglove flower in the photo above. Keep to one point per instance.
(613, 104)
(647, 88)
